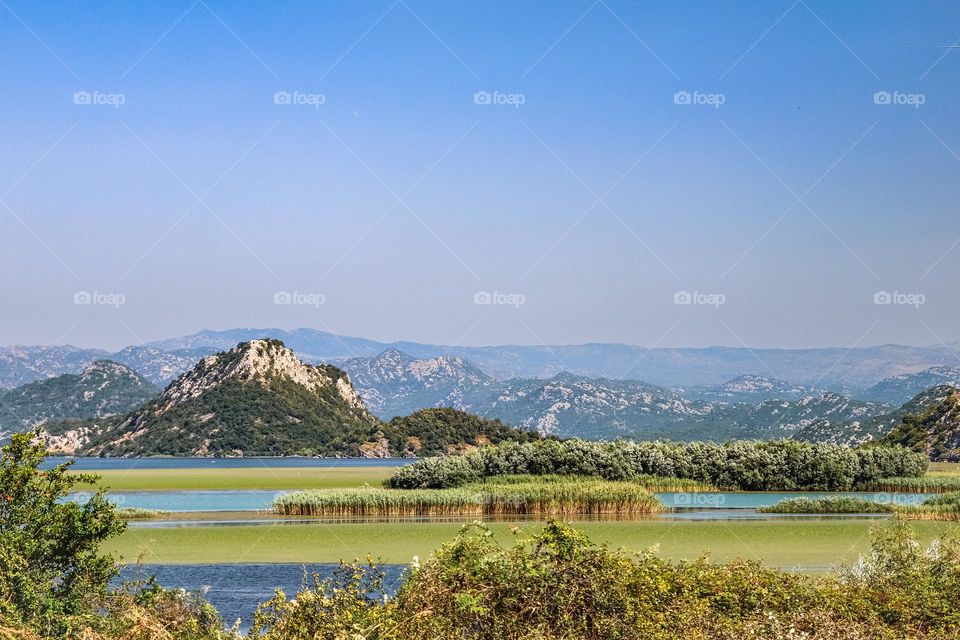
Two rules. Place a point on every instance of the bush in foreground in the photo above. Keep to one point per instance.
(557, 585)
(746, 465)
(54, 582)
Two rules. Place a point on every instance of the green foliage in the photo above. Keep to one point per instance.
(843, 504)
(431, 432)
(557, 585)
(54, 583)
(350, 605)
(50, 567)
(747, 465)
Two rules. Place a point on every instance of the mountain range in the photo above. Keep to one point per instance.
(833, 368)
(102, 389)
(259, 399)
(394, 383)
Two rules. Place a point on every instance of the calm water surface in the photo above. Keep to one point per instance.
(106, 464)
(236, 589)
(248, 500)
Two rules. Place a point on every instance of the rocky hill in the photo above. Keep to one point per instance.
(256, 399)
(799, 419)
(935, 431)
(568, 405)
(871, 427)
(751, 389)
(102, 389)
(395, 384)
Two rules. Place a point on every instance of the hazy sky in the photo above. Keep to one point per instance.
(585, 162)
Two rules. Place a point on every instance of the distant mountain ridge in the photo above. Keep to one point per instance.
(395, 384)
(568, 405)
(751, 388)
(900, 389)
(856, 367)
(859, 367)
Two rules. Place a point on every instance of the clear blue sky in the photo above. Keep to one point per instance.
(396, 200)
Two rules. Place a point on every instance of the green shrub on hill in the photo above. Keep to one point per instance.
(441, 431)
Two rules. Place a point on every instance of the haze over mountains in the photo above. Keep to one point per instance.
(836, 368)
(394, 382)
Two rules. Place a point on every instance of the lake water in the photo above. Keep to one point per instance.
(753, 500)
(192, 501)
(236, 589)
(106, 464)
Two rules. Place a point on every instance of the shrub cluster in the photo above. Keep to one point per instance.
(558, 586)
(781, 465)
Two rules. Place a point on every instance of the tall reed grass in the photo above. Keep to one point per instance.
(507, 496)
(930, 483)
(942, 507)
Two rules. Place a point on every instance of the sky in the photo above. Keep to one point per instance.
(776, 174)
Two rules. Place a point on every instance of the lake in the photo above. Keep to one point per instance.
(106, 464)
(247, 500)
(236, 589)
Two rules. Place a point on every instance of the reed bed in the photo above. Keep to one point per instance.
(930, 483)
(942, 507)
(136, 513)
(830, 505)
(508, 496)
